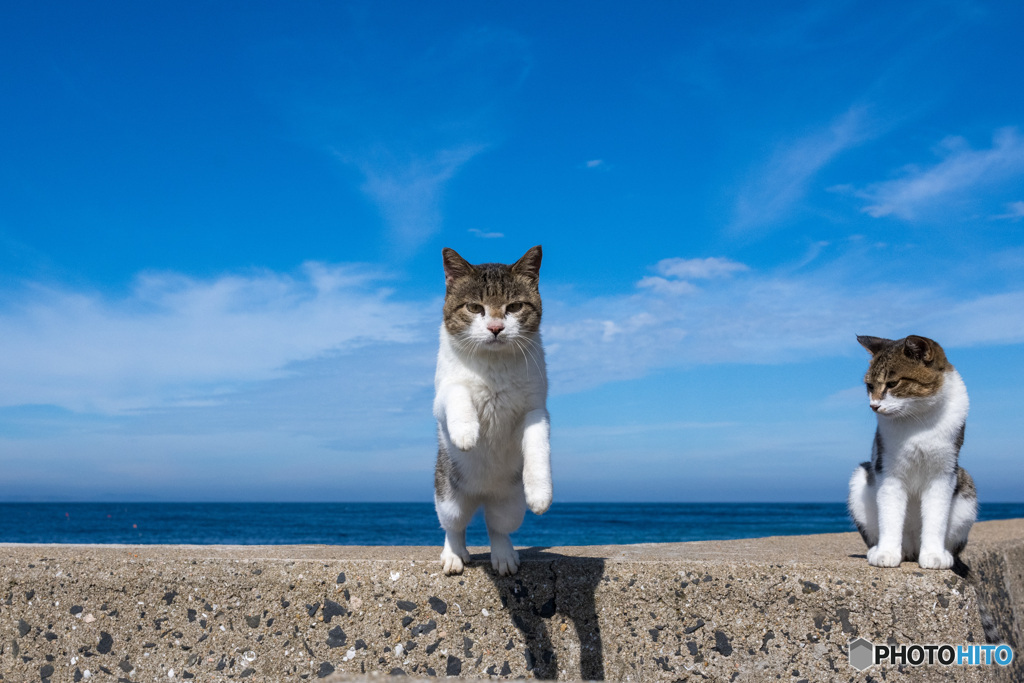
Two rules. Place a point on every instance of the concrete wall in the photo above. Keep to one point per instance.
(766, 609)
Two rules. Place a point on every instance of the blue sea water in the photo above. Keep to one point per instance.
(416, 523)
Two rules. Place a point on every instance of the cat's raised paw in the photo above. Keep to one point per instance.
(464, 434)
(931, 560)
(538, 499)
(885, 557)
(452, 562)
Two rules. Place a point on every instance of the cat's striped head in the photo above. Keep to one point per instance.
(905, 375)
(492, 306)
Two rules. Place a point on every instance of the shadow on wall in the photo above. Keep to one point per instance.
(547, 586)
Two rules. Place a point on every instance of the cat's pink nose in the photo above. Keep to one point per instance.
(875, 408)
(496, 328)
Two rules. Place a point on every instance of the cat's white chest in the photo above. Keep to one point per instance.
(500, 399)
(502, 389)
(920, 448)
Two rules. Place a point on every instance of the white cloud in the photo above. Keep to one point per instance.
(779, 184)
(216, 347)
(176, 339)
(486, 235)
(963, 169)
(678, 271)
(764, 317)
(699, 268)
(664, 286)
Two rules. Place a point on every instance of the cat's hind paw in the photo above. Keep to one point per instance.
(932, 560)
(452, 562)
(464, 434)
(885, 557)
(505, 561)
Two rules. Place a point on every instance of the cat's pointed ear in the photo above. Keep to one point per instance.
(919, 348)
(872, 344)
(455, 266)
(529, 264)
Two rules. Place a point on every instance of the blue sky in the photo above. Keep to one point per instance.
(221, 226)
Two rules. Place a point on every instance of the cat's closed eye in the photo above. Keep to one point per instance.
(475, 308)
(871, 387)
(892, 383)
(514, 307)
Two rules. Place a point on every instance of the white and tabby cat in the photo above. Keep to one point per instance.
(490, 404)
(913, 501)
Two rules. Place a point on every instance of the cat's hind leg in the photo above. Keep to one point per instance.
(863, 505)
(504, 516)
(963, 512)
(454, 515)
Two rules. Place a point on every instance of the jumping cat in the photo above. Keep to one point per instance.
(913, 501)
(490, 403)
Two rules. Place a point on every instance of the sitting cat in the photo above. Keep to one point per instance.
(490, 404)
(913, 501)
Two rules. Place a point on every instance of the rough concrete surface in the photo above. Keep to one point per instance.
(781, 608)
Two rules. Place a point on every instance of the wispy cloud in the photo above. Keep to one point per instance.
(1014, 212)
(924, 189)
(778, 316)
(188, 344)
(990, 319)
(410, 121)
(666, 286)
(783, 181)
(675, 274)
(175, 340)
(409, 194)
(699, 268)
(486, 235)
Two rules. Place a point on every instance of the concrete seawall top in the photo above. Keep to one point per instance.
(780, 608)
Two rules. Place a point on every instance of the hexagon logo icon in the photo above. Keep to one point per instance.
(862, 653)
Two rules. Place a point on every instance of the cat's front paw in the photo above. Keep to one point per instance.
(538, 499)
(452, 562)
(464, 434)
(885, 557)
(504, 560)
(933, 560)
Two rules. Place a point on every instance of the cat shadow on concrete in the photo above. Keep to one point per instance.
(548, 586)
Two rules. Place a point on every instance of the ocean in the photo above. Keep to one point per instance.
(416, 523)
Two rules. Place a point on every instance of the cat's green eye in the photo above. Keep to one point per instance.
(514, 307)
(475, 308)
(892, 383)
